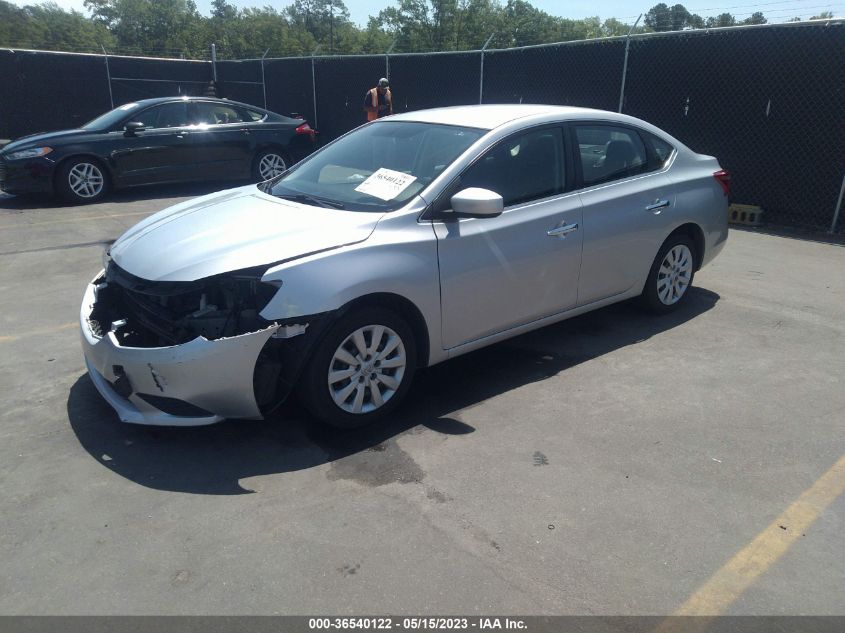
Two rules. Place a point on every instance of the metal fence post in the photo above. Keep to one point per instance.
(214, 63)
(263, 83)
(838, 206)
(625, 63)
(387, 59)
(314, 85)
(108, 76)
(481, 77)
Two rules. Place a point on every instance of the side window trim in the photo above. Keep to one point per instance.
(453, 187)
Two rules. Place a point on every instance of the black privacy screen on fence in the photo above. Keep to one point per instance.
(50, 91)
(584, 74)
(767, 101)
(240, 81)
(136, 78)
(431, 81)
(342, 83)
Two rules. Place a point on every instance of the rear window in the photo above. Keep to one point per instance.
(660, 148)
(252, 115)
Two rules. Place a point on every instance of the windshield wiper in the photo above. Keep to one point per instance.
(313, 200)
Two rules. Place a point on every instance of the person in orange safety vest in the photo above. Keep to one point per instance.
(378, 101)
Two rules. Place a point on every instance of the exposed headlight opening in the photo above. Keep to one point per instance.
(30, 153)
(144, 313)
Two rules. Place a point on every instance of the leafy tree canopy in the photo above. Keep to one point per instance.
(177, 28)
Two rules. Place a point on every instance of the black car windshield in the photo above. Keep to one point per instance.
(377, 168)
(111, 118)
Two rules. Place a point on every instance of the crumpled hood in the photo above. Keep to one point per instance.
(44, 138)
(231, 230)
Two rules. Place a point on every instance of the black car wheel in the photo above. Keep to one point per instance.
(268, 164)
(361, 370)
(82, 180)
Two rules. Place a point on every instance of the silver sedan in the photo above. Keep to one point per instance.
(411, 240)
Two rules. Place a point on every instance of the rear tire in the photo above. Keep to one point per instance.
(269, 163)
(82, 180)
(671, 275)
(361, 370)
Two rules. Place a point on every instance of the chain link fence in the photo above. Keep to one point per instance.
(768, 100)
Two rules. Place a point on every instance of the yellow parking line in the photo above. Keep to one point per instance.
(15, 337)
(91, 217)
(716, 595)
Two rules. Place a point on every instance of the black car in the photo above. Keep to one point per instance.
(173, 139)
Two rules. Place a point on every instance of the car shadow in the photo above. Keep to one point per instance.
(130, 194)
(213, 459)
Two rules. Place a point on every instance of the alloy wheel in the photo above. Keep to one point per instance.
(367, 369)
(86, 180)
(674, 275)
(270, 166)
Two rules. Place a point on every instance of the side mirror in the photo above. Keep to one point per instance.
(132, 128)
(477, 203)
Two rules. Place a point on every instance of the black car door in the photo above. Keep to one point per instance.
(221, 140)
(160, 152)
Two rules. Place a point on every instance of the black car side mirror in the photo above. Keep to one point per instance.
(132, 128)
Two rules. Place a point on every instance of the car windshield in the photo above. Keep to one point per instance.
(377, 168)
(109, 119)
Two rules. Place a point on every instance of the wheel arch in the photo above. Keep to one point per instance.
(274, 145)
(403, 307)
(696, 234)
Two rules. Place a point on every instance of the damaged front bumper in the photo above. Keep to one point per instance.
(198, 382)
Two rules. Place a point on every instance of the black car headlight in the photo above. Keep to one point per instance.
(34, 152)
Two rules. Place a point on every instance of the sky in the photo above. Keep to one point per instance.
(775, 10)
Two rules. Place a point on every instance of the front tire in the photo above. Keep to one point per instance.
(361, 370)
(671, 275)
(82, 180)
(268, 164)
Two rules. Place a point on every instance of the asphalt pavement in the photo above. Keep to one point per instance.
(613, 464)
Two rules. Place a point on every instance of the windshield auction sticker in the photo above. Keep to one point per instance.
(386, 184)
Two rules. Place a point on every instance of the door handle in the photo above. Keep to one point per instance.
(562, 231)
(245, 130)
(657, 204)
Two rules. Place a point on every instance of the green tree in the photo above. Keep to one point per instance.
(755, 18)
(723, 19)
(661, 17)
(151, 26)
(48, 26)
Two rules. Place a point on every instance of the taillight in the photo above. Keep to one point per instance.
(306, 130)
(724, 179)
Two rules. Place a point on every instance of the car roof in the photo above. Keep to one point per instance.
(489, 117)
(157, 100)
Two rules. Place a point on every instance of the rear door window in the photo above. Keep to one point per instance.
(609, 152)
(205, 113)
